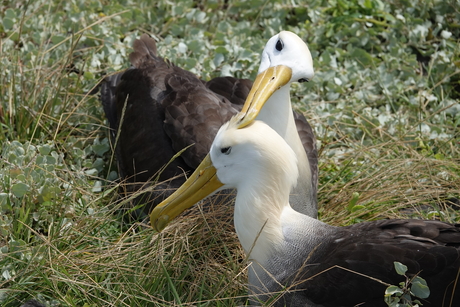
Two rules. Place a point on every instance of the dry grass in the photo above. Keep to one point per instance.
(196, 260)
(390, 176)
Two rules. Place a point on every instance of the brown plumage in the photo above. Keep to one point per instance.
(157, 109)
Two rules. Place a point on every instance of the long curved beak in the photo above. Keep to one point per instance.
(198, 186)
(266, 83)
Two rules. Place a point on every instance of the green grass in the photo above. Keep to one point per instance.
(384, 105)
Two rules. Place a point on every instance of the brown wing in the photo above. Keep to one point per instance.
(308, 139)
(193, 115)
(234, 90)
(155, 110)
(142, 147)
(428, 248)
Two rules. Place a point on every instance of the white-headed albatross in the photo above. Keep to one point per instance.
(312, 263)
(156, 109)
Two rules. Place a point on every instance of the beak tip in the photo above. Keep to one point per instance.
(159, 223)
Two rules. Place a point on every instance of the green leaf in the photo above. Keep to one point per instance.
(19, 189)
(3, 199)
(420, 288)
(44, 149)
(353, 201)
(357, 208)
(392, 290)
(8, 23)
(361, 56)
(10, 13)
(127, 15)
(400, 268)
(194, 46)
(218, 59)
(177, 10)
(56, 39)
(406, 298)
(88, 75)
(368, 4)
(221, 50)
(439, 156)
(100, 149)
(190, 63)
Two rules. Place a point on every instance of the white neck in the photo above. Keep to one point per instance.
(258, 210)
(277, 113)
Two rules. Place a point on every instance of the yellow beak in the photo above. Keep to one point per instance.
(264, 86)
(198, 186)
(204, 181)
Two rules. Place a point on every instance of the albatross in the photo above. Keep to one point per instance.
(156, 110)
(299, 260)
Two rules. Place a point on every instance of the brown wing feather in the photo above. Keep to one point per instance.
(108, 99)
(308, 139)
(234, 90)
(143, 147)
(145, 50)
(193, 115)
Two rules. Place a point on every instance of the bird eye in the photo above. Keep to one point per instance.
(279, 45)
(303, 80)
(226, 150)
